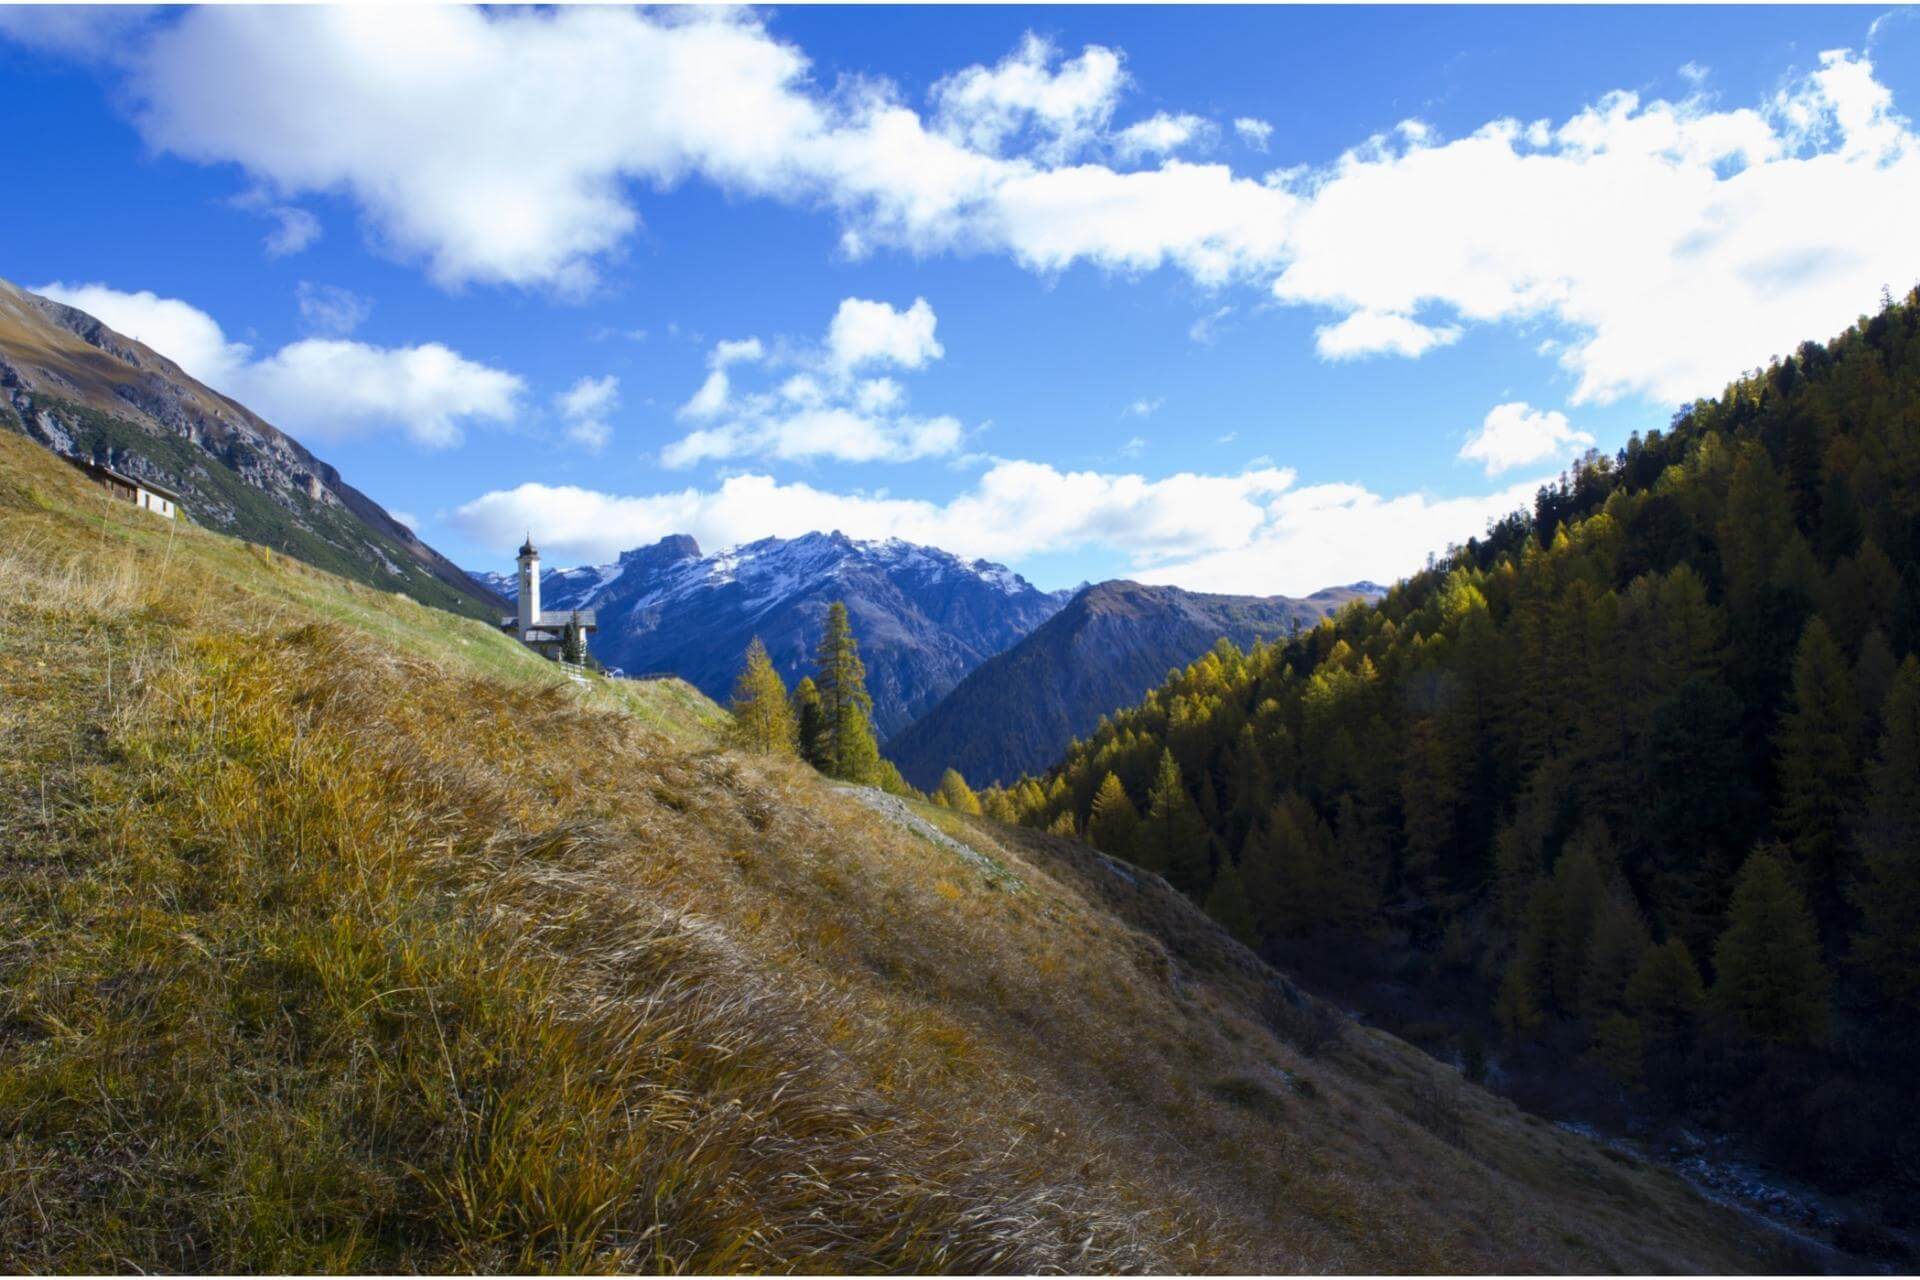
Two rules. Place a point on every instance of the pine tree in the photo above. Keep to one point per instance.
(1173, 840)
(954, 793)
(762, 716)
(1889, 895)
(1818, 774)
(1771, 985)
(846, 709)
(810, 723)
(1113, 824)
(1227, 903)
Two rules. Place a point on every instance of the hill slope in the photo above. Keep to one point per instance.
(1107, 647)
(924, 617)
(341, 933)
(83, 390)
(1677, 703)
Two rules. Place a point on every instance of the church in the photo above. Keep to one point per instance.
(543, 632)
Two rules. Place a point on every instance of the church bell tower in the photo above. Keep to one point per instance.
(529, 586)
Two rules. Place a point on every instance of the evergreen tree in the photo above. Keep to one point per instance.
(954, 793)
(1618, 946)
(1113, 823)
(1889, 896)
(1173, 839)
(846, 709)
(762, 716)
(573, 642)
(1818, 773)
(810, 723)
(1771, 984)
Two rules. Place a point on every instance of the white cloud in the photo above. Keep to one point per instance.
(315, 388)
(1254, 132)
(1160, 134)
(1694, 73)
(329, 389)
(1516, 434)
(1134, 447)
(329, 309)
(825, 410)
(1143, 408)
(1370, 333)
(1333, 534)
(985, 107)
(179, 331)
(1253, 532)
(508, 146)
(866, 332)
(585, 406)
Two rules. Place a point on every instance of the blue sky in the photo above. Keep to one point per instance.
(1242, 299)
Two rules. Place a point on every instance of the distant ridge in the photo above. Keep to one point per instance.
(1114, 641)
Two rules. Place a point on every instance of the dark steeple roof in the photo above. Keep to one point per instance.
(526, 548)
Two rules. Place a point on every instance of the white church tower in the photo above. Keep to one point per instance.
(529, 588)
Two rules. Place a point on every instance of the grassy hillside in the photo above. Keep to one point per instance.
(340, 933)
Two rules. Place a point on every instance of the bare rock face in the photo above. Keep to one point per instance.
(83, 390)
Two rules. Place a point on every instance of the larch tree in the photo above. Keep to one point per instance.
(848, 747)
(810, 723)
(1113, 823)
(1818, 771)
(1173, 839)
(763, 719)
(1227, 903)
(954, 793)
(1665, 992)
(1889, 894)
(1771, 983)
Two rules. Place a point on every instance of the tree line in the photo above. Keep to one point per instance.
(1644, 761)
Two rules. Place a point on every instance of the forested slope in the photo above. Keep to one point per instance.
(1641, 765)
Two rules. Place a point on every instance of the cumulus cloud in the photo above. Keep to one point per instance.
(317, 388)
(826, 409)
(866, 332)
(584, 407)
(1370, 333)
(1253, 532)
(1161, 134)
(509, 146)
(1254, 132)
(985, 107)
(1516, 434)
(178, 330)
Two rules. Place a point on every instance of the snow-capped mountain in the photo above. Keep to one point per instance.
(924, 617)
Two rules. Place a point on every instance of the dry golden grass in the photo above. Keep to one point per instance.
(337, 934)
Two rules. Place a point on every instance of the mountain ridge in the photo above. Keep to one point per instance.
(1102, 651)
(73, 384)
(924, 617)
